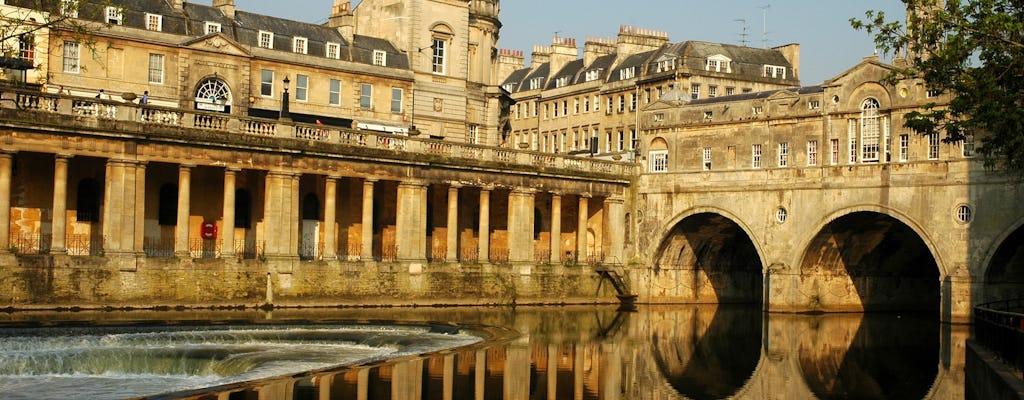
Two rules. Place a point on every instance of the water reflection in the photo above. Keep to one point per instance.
(670, 352)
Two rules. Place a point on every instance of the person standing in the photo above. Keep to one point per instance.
(145, 98)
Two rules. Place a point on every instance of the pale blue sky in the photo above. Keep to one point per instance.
(828, 44)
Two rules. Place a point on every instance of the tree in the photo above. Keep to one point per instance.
(972, 50)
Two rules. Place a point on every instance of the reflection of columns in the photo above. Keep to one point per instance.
(520, 225)
(59, 225)
(140, 208)
(579, 372)
(411, 221)
(181, 229)
(480, 371)
(407, 379)
(517, 370)
(6, 159)
(615, 225)
(330, 217)
(453, 223)
(484, 241)
(552, 371)
(581, 229)
(227, 230)
(367, 251)
(119, 209)
(363, 384)
(556, 228)
(448, 377)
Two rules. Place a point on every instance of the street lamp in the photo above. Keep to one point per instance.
(284, 100)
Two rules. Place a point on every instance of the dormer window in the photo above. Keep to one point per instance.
(154, 22)
(509, 87)
(718, 63)
(299, 45)
(211, 27)
(562, 81)
(667, 64)
(774, 71)
(536, 82)
(380, 58)
(332, 50)
(593, 75)
(266, 39)
(115, 16)
(627, 73)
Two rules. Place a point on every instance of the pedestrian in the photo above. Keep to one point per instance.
(145, 98)
(101, 95)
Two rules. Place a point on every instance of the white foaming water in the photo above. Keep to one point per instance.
(118, 363)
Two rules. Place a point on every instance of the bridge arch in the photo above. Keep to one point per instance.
(1002, 268)
(870, 258)
(708, 255)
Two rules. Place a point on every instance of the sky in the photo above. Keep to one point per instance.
(828, 45)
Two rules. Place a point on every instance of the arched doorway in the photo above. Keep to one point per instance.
(1004, 278)
(213, 94)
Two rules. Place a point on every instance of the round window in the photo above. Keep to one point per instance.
(781, 214)
(964, 213)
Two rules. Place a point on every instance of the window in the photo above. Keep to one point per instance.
(266, 40)
(565, 107)
(967, 145)
(622, 103)
(472, 137)
(633, 139)
(632, 102)
(27, 47)
(758, 110)
(267, 83)
(366, 96)
(592, 75)
(561, 81)
(695, 92)
(576, 105)
(708, 115)
(301, 87)
(964, 213)
(380, 58)
(597, 103)
(156, 68)
(535, 83)
(812, 152)
(870, 128)
(335, 93)
(755, 156)
(621, 142)
(783, 155)
(729, 91)
(586, 104)
(852, 133)
(712, 91)
(438, 57)
(706, 158)
(659, 117)
(712, 65)
(332, 50)
(814, 104)
(611, 105)
(115, 16)
(396, 100)
(718, 63)
(71, 54)
(904, 147)
(627, 73)
(933, 146)
(773, 71)
(211, 27)
(667, 65)
(299, 45)
(658, 160)
(834, 145)
(933, 93)
(154, 22)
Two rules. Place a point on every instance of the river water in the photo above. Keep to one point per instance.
(578, 353)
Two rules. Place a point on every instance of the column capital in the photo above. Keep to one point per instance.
(334, 177)
(8, 153)
(233, 170)
(63, 156)
(524, 190)
(370, 180)
(415, 183)
(615, 199)
(185, 166)
(585, 195)
(454, 185)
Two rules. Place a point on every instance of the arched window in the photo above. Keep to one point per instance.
(167, 213)
(213, 94)
(657, 156)
(89, 195)
(310, 207)
(243, 209)
(441, 38)
(870, 131)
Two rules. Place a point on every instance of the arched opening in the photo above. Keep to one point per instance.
(713, 354)
(713, 259)
(310, 207)
(243, 209)
(1004, 278)
(310, 246)
(872, 262)
(90, 194)
(213, 94)
(167, 208)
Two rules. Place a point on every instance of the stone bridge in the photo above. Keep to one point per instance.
(929, 235)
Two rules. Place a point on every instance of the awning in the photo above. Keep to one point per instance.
(397, 130)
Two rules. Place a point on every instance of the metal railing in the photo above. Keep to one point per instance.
(999, 326)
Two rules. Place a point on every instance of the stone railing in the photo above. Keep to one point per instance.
(85, 108)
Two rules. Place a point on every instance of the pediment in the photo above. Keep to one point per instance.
(870, 69)
(217, 42)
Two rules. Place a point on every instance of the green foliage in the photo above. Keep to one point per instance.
(972, 50)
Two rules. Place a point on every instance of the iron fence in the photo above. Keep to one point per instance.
(999, 326)
(30, 244)
(438, 253)
(85, 245)
(469, 254)
(499, 255)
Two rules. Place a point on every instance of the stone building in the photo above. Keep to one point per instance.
(590, 105)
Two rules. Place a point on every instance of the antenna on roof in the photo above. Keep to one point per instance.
(743, 32)
(764, 23)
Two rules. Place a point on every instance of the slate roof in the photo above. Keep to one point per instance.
(570, 71)
(756, 95)
(746, 61)
(516, 79)
(603, 64)
(636, 60)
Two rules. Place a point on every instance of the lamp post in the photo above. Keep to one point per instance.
(284, 100)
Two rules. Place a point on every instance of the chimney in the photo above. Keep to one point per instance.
(509, 61)
(596, 47)
(541, 55)
(225, 6)
(633, 40)
(178, 4)
(563, 51)
(342, 19)
(792, 54)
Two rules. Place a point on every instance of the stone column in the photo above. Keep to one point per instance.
(119, 212)
(59, 225)
(484, 241)
(520, 226)
(330, 218)
(556, 228)
(227, 230)
(615, 228)
(6, 161)
(411, 222)
(293, 219)
(453, 223)
(181, 245)
(140, 208)
(367, 251)
(581, 228)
